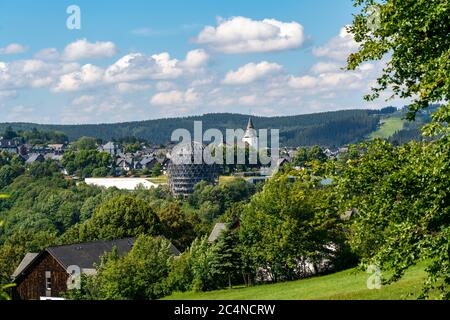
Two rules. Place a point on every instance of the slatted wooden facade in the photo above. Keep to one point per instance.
(31, 285)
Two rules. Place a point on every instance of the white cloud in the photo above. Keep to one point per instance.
(7, 94)
(125, 87)
(165, 86)
(47, 54)
(175, 97)
(82, 49)
(136, 66)
(88, 75)
(195, 59)
(41, 82)
(248, 100)
(82, 100)
(303, 82)
(28, 73)
(13, 48)
(251, 72)
(323, 67)
(339, 47)
(244, 35)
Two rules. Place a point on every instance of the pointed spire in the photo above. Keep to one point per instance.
(250, 124)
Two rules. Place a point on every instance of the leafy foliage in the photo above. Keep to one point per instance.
(403, 213)
(413, 38)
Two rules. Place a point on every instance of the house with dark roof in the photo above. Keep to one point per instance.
(47, 274)
(8, 146)
(123, 163)
(112, 148)
(36, 157)
(146, 163)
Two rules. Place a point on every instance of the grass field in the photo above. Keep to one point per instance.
(346, 285)
(162, 179)
(226, 179)
(388, 127)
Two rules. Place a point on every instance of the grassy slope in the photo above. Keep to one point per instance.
(345, 285)
(388, 127)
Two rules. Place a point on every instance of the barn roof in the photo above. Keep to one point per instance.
(29, 257)
(85, 255)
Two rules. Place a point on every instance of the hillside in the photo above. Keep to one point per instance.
(325, 129)
(345, 285)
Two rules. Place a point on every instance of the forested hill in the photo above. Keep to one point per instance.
(325, 129)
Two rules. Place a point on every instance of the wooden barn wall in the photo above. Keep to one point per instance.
(32, 285)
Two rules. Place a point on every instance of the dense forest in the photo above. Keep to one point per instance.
(326, 129)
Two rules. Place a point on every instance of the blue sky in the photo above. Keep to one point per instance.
(136, 59)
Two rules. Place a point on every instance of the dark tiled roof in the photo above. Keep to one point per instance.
(34, 157)
(85, 255)
(147, 160)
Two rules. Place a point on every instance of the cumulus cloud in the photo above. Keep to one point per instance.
(323, 67)
(330, 77)
(88, 75)
(251, 72)
(82, 49)
(339, 47)
(165, 86)
(244, 35)
(136, 66)
(303, 82)
(47, 54)
(175, 98)
(195, 59)
(13, 48)
(35, 73)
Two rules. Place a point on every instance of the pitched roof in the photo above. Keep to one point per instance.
(110, 145)
(147, 160)
(34, 157)
(218, 229)
(250, 124)
(85, 255)
(29, 257)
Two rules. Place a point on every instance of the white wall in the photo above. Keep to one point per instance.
(121, 183)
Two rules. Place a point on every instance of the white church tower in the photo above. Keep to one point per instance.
(251, 136)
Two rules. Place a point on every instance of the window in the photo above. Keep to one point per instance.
(48, 280)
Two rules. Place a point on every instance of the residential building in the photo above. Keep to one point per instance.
(46, 275)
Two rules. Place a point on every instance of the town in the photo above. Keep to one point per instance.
(131, 164)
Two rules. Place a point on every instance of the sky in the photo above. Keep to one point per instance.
(135, 60)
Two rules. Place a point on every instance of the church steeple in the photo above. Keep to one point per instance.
(251, 136)
(250, 124)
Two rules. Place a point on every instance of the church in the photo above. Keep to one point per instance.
(251, 136)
